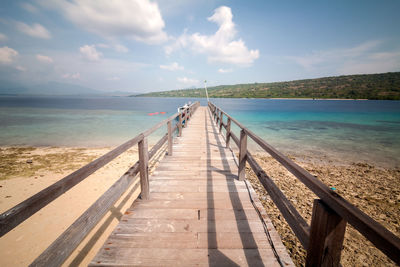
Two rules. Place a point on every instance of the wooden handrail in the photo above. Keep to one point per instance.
(382, 238)
(19, 213)
(66, 243)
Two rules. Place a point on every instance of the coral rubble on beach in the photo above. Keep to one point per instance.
(374, 190)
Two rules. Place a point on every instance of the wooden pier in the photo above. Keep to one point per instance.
(198, 209)
(198, 212)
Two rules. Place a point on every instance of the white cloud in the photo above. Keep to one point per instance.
(221, 46)
(366, 57)
(137, 19)
(29, 7)
(103, 45)
(114, 78)
(224, 70)
(36, 30)
(3, 37)
(373, 63)
(90, 53)
(117, 47)
(121, 48)
(72, 76)
(44, 59)
(20, 68)
(187, 81)
(172, 67)
(7, 55)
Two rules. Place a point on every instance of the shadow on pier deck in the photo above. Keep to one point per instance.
(197, 207)
(198, 212)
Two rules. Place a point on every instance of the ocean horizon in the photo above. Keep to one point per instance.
(351, 130)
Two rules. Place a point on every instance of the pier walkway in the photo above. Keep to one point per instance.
(198, 212)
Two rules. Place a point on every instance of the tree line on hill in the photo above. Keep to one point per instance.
(384, 86)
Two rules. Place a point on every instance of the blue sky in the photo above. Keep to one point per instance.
(142, 45)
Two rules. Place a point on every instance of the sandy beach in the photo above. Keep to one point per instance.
(20, 180)
(373, 189)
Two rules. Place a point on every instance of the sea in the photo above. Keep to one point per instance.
(353, 130)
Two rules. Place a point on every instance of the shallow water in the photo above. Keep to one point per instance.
(349, 130)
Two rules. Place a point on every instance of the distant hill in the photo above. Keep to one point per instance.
(385, 86)
(54, 89)
(50, 88)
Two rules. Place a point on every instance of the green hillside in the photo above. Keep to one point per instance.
(369, 86)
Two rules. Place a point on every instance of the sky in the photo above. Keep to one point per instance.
(148, 45)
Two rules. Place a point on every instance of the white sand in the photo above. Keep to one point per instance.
(23, 244)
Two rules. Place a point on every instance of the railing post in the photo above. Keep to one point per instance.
(326, 236)
(144, 168)
(228, 132)
(169, 138)
(220, 121)
(242, 155)
(186, 118)
(180, 125)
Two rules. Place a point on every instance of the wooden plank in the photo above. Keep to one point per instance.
(130, 225)
(221, 240)
(216, 196)
(144, 169)
(203, 182)
(184, 214)
(169, 126)
(220, 122)
(326, 236)
(233, 240)
(180, 125)
(228, 132)
(14, 216)
(242, 155)
(234, 203)
(184, 257)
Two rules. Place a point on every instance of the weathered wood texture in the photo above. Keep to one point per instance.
(326, 237)
(381, 237)
(14, 216)
(65, 244)
(198, 214)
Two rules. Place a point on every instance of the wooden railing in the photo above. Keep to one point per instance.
(65, 244)
(324, 239)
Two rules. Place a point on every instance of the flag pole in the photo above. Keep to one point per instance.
(205, 87)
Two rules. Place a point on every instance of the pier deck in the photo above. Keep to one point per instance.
(198, 213)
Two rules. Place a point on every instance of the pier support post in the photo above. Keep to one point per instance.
(220, 121)
(326, 236)
(169, 138)
(242, 155)
(228, 132)
(144, 168)
(180, 125)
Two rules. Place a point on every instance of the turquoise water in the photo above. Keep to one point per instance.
(353, 130)
(350, 130)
